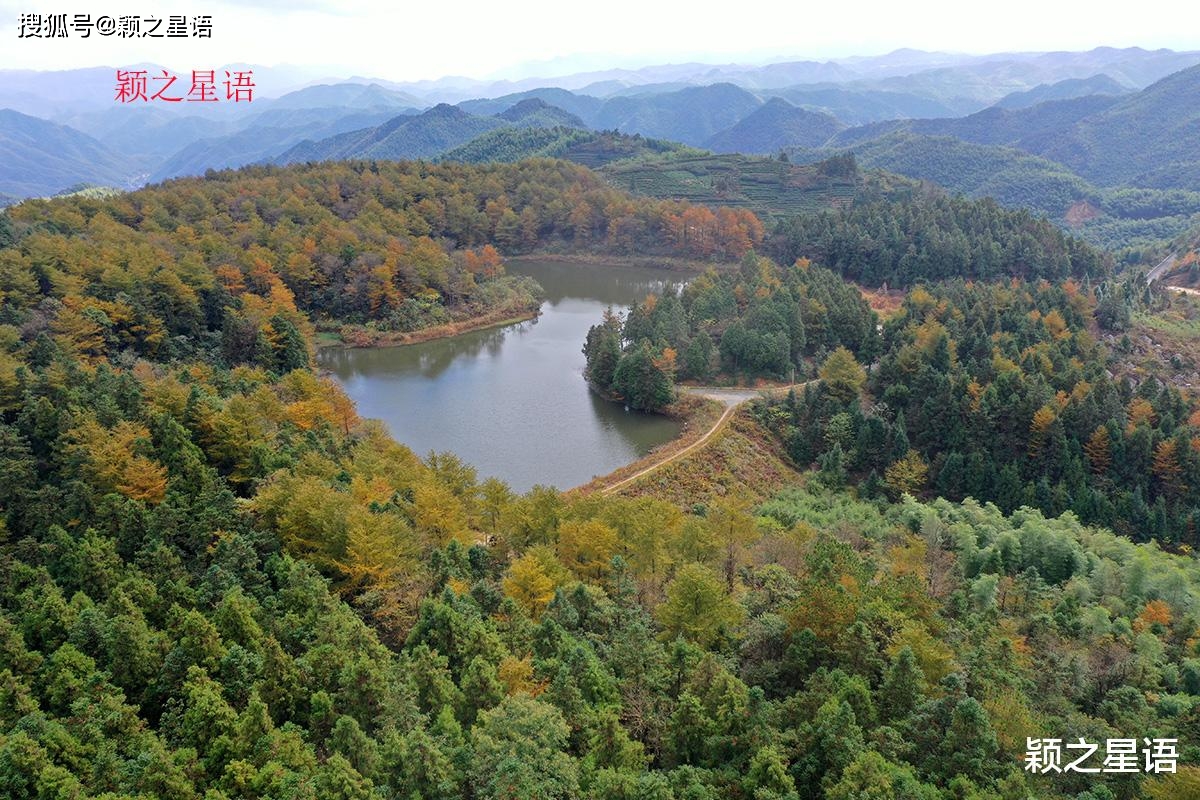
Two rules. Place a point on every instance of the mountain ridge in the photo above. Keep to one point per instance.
(43, 158)
(775, 125)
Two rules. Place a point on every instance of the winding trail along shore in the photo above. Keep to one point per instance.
(733, 398)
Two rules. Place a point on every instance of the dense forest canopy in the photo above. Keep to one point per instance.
(1002, 392)
(399, 246)
(931, 237)
(217, 582)
(757, 322)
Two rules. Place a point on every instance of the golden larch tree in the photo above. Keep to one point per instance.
(1098, 450)
(907, 475)
(1039, 428)
(1166, 467)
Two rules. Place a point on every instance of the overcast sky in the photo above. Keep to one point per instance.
(405, 41)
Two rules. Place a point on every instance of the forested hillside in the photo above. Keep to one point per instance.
(932, 236)
(396, 246)
(1007, 175)
(430, 133)
(1024, 128)
(757, 322)
(216, 582)
(1002, 393)
(590, 148)
(777, 124)
(1069, 89)
(770, 187)
(1126, 220)
(1142, 140)
(1072, 158)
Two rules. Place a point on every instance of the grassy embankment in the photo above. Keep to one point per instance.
(666, 263)
(363, 337)
(739, 457)
(358, 336)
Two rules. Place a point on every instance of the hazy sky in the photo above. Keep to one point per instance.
(414, 40)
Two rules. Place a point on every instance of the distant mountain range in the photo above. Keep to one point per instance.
(405, 137)
(773, 126)
(581, 105)
(534, 112)
(1024, 128)
(689, 115)
(42, 158)
(982, 78)
(1147, 139)
(1068, 89)
(1122, 170)
(1151, 138)
(722, 117)
(1054, 132)
(266, 139)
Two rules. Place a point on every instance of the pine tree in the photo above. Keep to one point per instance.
(902, 688)
(289, 345)
(602, 350)
(833, 467)
(970, 746)
(697, 357)
(644, 381)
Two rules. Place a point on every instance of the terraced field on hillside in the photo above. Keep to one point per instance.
(767, 186)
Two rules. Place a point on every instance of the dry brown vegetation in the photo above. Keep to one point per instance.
(741, 458)
(883, 302)
(698, 415)
(359, 336)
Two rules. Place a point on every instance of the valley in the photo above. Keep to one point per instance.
(796, 429)
(511, 401)
(1044, 145)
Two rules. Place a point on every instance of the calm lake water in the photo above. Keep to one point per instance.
(512, 401)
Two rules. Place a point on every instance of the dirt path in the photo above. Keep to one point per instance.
(703, 440)
(732, 398)
(1160, 269)
(1182, 289)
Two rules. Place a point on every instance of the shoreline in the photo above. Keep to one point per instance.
(446, 330)
(664, 263)
(697, 415)
(329, 340)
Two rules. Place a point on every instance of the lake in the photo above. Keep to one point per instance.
(512, 401)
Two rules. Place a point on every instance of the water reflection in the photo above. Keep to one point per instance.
(512, 401)
(602, 283)
(429, 360)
